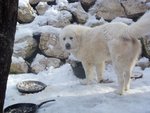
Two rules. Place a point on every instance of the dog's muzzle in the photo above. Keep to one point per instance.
(68, 46)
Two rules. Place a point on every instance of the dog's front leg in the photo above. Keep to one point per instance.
(100, 67)
(89, 71)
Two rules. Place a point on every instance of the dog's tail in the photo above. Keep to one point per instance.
(141, 27)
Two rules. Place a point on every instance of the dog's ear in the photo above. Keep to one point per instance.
(78, 35)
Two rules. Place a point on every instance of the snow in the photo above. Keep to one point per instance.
(17, 60)
(23, 3)
(124, 20)
(72, 97)
(143, 60)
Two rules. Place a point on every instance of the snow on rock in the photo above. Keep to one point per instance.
(41, 63)
(62, 19)
(78, 12)
(133, 7)
(143, 63)
(106, 9)
(62, 2)
(24, 45)
(124, 20)
(49, 43)
(54, 17)
(26, 13)
(18, 65)
(33, 1)
(41, 8)
(92, 21)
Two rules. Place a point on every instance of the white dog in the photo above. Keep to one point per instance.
(116, 41)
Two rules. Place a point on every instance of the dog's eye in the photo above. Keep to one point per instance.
(71, 38)
(64, 38)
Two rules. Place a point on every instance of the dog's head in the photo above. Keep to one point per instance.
(69, 38)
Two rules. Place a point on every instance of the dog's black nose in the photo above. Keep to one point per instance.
(68, 46)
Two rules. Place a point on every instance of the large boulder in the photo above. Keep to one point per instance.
(146, 45)
(108, 9)
(49, 43)
(134, 7)
(18, 65)
(26, 14)
(86, 4)
(41, 63)
(25, 45)
(41, 8)
(80, 16)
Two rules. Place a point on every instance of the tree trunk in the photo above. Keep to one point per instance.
(8, 18)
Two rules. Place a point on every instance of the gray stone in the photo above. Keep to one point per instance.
(26, 14)
(133, 7)
(18, 65)
(49, 43)
(24, 45)
(86, 4)
(108, 9)
(41, 8)
(146, 45)
(78, 12)
(41, 63)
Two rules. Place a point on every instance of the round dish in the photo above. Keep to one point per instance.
(30, 86)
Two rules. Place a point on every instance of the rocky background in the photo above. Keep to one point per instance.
(37, 47)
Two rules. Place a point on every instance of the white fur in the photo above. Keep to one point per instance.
(115, 41)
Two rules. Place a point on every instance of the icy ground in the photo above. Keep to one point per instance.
(72, 97)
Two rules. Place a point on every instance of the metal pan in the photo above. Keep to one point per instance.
(24, 107)
(30, 86)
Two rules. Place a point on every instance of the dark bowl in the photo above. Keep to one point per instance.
(21, 108)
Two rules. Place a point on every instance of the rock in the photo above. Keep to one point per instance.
(51, 2)
(47, 0)
(61, 19)
(25, 45)
(134, 7)
(143, 63)
(34, 1)
(92, 22)
(41, 8)
(123, 20)
(146, 45)
(41, 63)
(78, 12)
(86, 4)
(49, 43)
(107, 9)
(72, 1)
(26, 14)
(18, 65)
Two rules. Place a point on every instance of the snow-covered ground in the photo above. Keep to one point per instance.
(72, 97)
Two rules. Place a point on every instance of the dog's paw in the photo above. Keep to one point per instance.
(119, 92)
(106, 81)
(87, 82)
